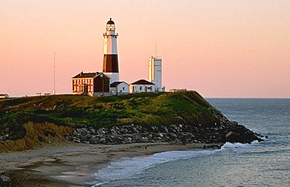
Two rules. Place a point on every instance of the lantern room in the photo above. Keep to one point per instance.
(110, 25)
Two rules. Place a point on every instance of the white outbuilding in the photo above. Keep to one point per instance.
(155, 73)
(4, 96)
(142, 85)
(119, 88)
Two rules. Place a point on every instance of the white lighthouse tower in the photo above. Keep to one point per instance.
(155, 72)
(110, 62)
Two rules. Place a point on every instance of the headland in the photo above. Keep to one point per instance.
(60, 140)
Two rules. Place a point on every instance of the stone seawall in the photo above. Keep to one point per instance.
(175, 134)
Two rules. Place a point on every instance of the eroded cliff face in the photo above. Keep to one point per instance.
(37, 134)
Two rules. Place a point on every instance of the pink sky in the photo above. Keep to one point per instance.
(220, 48)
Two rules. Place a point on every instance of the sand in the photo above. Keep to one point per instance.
(71, 164)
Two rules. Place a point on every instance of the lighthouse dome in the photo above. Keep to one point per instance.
(110, 25)
(110, 21)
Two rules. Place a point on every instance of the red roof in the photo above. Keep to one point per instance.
(87, 75)
(143, 81)
(115, 84)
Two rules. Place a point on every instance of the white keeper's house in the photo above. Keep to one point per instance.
(142, 85)
(107, 82)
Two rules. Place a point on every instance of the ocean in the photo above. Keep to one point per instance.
(234, 165)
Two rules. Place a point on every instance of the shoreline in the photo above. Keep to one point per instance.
(71, 164)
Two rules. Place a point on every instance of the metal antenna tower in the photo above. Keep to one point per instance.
(155, 46)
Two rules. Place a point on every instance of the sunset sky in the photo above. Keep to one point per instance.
(221, 48)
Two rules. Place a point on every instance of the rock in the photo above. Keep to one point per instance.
(144, 139)
(102, 141)
(135, 130)
(76, 133)
(160, 135)
(242, 135)
(172, 135)
(234, 122)
(101, 131)
(94, 140)
(150, 136)
(93, 131)
(77, 140)
(4, 178)
(164, 129)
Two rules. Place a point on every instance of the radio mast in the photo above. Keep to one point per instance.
(54, 91)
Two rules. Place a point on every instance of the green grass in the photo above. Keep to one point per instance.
(144, 109)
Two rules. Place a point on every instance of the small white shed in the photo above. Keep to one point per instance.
(119, 88)
(4, 96)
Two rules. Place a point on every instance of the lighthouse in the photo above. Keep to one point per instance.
(110, 61)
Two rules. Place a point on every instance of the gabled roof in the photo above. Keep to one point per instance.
(143, 81)
(115, 84)
(88, 75)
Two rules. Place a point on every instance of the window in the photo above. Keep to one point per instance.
(140, 87)
(123, 88)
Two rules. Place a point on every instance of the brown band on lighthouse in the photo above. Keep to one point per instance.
(110, 63)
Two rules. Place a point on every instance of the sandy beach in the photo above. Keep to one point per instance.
(71, 164)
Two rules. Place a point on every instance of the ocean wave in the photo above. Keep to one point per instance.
(131, 167)
(128, 168)
(229, 145)
(233, 145)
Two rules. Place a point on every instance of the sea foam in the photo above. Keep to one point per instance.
(130, 167)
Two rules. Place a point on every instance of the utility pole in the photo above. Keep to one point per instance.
(54, 91)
